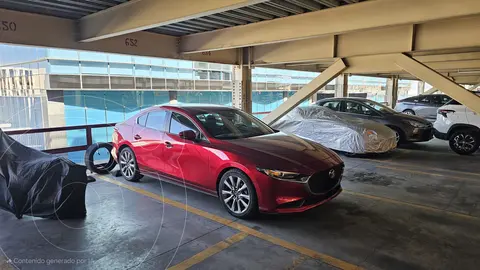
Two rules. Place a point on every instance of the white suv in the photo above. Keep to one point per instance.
(460, 126)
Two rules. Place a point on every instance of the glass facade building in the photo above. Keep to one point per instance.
(47, 87)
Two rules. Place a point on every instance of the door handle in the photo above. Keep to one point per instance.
(137, 137)
(168, 145)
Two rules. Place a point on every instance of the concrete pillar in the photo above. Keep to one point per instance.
(242, 82)
(55, 118)
(392, 91)
(242, 88)
(421, 87)
(341, 86)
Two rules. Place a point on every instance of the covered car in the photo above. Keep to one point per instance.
(39, 184)
(338, 132)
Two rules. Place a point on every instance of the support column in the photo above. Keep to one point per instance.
(437, 80)
(242, 81)
(421, 87)
(320, 81)
(55, 118)
(392, 91)
(341, 86)
(242, 88)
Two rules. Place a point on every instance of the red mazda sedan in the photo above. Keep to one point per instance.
(230, 154)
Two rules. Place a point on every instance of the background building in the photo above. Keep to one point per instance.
(46, 87)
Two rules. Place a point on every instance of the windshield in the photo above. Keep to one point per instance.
(379, 107)
(232, 124)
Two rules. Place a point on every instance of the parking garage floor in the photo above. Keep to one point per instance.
(416, 208)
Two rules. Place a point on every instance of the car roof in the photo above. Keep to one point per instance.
(345, 98)
(196, 108)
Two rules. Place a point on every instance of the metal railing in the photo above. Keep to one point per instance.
(88, 135)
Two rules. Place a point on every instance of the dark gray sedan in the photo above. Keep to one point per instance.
(409, 128)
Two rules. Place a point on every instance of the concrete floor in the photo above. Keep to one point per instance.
(417, 208)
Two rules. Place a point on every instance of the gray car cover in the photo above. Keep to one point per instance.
(39, 184)
(336, 131)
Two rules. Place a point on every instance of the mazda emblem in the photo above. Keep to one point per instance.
(331, 173)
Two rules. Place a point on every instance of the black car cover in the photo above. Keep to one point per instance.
(39, 184)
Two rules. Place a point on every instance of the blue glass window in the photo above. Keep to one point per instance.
(121, 69)
(119, 58)
(185, 74)
(62, 54)
(170, 63)
(141, 60)
(92, 56)
(158, 72)
(171, 73)
(142, 71)
(64, 67)
(185, 64)
(95, 68)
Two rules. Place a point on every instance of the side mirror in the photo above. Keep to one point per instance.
(188, 135)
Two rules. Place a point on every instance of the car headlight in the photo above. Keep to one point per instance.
(416, 124)
(285, 176)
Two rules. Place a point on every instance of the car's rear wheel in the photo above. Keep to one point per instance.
(237, 194)
(128, 165)
(465, 142)
(409, 112)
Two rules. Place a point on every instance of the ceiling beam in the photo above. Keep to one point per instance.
(361, 16)
(36, 30)
(134, 16)
(457, 35)
(426, 74)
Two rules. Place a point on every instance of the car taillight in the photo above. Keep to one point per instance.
(445, 112)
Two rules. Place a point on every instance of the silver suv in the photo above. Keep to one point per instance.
(424, 106)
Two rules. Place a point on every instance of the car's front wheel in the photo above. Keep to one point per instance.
(465, 142)
(409, 112)
(237, 194)
(128, 165)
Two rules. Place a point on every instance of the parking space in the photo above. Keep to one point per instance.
(412, 209)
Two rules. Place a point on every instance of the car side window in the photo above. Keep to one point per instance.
(179, 123)
(445, 99)
(357, 108)
(142, 120)
(333, 105)
(438, 99)
(156, 120)
(425, 99)
(411, 99)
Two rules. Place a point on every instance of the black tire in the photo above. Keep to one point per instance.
(470, 144)
(132, 173)
(100, 169)
(252, 208)
(400, 134)
(409, 112)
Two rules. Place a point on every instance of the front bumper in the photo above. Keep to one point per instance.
(440, 135)
(420, 134)
(277, 196)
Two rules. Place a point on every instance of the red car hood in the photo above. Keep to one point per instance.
(286, 152)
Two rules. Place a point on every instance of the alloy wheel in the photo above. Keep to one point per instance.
(408, 112)
(235, 194)
(397, 136)
(464, 142)
(127, 164)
